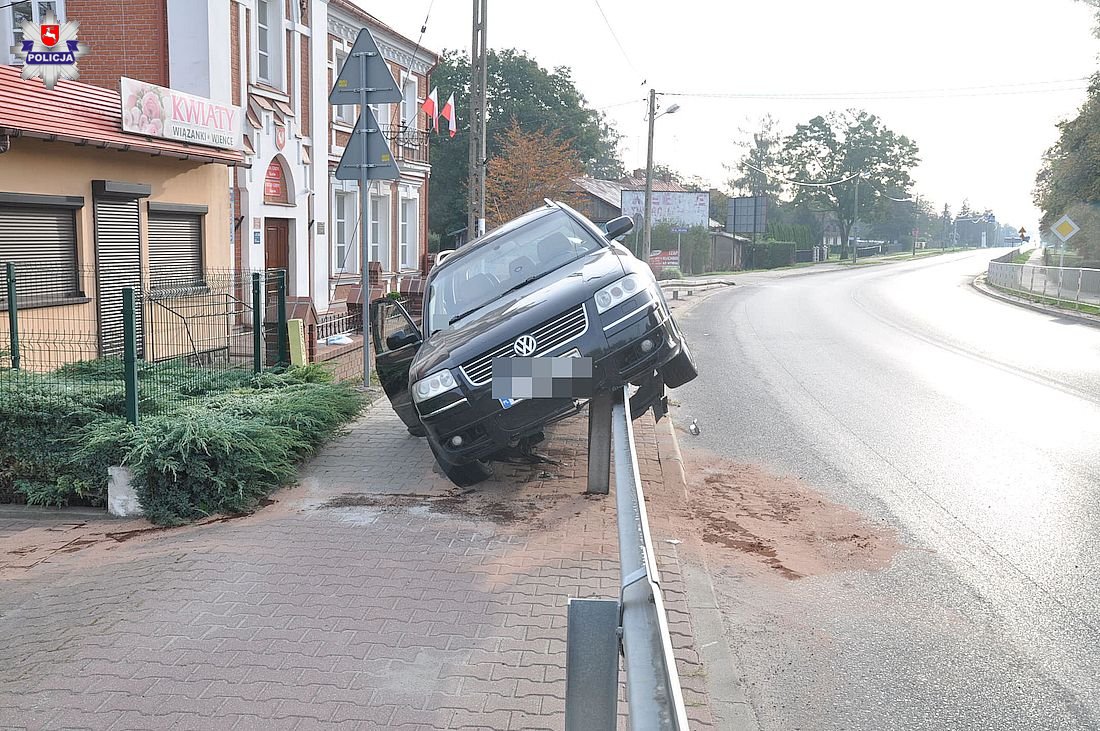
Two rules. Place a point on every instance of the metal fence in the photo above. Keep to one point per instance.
(166, 343)
(1063, 286)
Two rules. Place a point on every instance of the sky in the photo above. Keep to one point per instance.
(983, 83)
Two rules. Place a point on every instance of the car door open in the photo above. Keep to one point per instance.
(395, 339)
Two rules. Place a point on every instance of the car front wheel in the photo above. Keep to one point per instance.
(463, 475)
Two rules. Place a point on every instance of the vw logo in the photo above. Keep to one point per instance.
(525, 345)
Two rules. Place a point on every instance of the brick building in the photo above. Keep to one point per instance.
(276, 59)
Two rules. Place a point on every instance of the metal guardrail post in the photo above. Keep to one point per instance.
(283, 334)
(599, 444)
(13, 317)
(129, 354)
(257, 325)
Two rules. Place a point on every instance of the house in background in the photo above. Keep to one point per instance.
(277, 61)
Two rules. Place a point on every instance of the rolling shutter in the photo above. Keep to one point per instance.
(118, 265)
(41, 241)
(175, 250)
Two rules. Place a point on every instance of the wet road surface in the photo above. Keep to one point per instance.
(969, 427)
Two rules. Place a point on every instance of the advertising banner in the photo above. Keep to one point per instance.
(682, 209)
(148, 109)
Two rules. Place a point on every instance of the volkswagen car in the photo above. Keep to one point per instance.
(547, 284)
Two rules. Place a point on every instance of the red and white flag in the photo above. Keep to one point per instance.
(448, 114)
(431, 106)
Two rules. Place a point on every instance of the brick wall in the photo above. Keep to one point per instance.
(126, 37)
(235, 51)
(303, 113)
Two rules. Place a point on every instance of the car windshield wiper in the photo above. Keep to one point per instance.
(472, 310)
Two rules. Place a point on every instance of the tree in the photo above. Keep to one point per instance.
(518, 89)
(531, 166)
(762, 149)
(838, 145)
(1069, 181)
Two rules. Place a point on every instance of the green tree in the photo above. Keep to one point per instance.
(838, 145)
(1069, 181)
(538, 99)
(762, 152)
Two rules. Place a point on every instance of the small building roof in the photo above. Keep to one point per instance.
(609, 191)
(85, 115)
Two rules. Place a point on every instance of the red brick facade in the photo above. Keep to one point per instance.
(126, 37)
(235, 46)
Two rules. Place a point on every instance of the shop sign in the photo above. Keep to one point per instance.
(148, 109)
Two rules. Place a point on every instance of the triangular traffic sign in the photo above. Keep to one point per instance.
(378, 81)
(379, 164)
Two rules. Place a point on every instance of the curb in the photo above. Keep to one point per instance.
(730, 700)
(978, 283)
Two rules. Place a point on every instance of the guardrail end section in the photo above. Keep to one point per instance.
(592, 665)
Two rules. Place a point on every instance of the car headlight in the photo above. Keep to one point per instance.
(619, 291)
(433, 385)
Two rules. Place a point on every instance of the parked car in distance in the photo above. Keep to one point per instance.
(557, 283)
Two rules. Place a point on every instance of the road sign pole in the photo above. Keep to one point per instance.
(364, 226)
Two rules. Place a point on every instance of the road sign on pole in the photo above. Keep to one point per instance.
(365, 79)
(1065, 228)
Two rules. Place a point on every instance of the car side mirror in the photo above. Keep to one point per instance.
(401, 338)
(617, 227)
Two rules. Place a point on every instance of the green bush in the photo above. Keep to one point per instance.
(218, 442)
(670, 273)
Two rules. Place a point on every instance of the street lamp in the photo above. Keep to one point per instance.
(647, 220)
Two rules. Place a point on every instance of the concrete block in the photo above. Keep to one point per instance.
(121, 499)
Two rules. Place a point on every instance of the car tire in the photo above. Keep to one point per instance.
(418, 430)
(680, 370)
(463, 475)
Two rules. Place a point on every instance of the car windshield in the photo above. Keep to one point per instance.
(469, 283)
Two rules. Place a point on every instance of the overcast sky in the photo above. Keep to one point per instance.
(984, 144)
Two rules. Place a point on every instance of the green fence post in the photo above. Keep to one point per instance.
(257, 325)
(284, 341)
(13, 318)
(129, 354)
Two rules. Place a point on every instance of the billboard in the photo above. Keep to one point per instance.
(148, 109)
(682, 209)
(748, 215)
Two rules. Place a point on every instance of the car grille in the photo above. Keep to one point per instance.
(549, 335)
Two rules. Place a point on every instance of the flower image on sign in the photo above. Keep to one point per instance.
(153, 110)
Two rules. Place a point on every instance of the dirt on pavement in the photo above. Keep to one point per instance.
(769, 525)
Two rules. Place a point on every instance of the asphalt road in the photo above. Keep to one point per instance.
(969, 426)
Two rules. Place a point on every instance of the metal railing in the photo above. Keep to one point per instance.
(635, 624)
(1063, 286)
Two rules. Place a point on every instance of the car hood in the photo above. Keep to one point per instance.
(518, 312)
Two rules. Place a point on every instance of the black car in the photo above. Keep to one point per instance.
(560, 286)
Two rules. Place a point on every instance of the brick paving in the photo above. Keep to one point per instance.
(373, 595)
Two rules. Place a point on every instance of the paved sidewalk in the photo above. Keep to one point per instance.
(374, 595)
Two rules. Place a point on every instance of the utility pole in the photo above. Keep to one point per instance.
(855, 225)
(946, 217)
(648, 223)
(479, 74)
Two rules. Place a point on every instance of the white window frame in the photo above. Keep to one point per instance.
(408, 231)
(8, 37)
(345, 113)
(379, 222)
(276, 76)
(340, 229)
(409, 115)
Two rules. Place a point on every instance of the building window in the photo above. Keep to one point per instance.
(409, 107)
(269, 43)
(41, 242)
(344, 112)
(407, 232)
(31, 12)
(375, 228)
(341, 236)
(175, 250)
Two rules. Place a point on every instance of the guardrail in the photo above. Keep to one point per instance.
(635, 624)
(1063, 286)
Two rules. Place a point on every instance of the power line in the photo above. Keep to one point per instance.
(617, 43)
(800, 182)
(1058, 85)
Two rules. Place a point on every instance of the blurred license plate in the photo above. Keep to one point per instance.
(509, 402)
